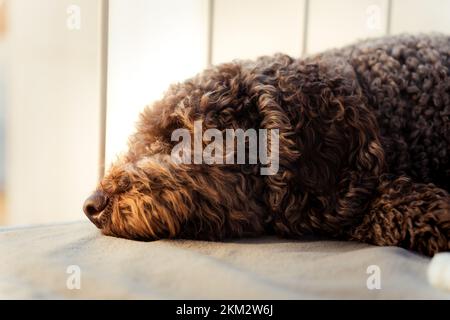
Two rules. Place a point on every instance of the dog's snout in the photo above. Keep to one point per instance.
(94, 205)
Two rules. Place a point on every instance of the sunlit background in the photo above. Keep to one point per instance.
(75, 73)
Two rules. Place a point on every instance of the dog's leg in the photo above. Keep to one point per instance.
(406, 214)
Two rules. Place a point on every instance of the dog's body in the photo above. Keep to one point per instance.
(364, 141)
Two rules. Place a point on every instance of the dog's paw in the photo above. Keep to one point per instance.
(439, 271)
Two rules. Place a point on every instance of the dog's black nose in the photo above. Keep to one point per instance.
(94, 205)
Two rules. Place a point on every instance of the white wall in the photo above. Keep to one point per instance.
(337, 23)
(250, 28)
(420, 16)
(53, 117)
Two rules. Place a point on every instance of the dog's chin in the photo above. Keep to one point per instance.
(125, 234)
(96, 220)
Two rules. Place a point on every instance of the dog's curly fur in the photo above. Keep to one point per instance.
(364, 148)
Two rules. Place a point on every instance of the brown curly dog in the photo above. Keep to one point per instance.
(364, 145)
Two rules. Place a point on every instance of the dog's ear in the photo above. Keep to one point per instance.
(329, 143)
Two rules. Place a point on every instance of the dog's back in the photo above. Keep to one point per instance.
(406, 80)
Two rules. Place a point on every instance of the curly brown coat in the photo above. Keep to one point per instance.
(364, 145)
